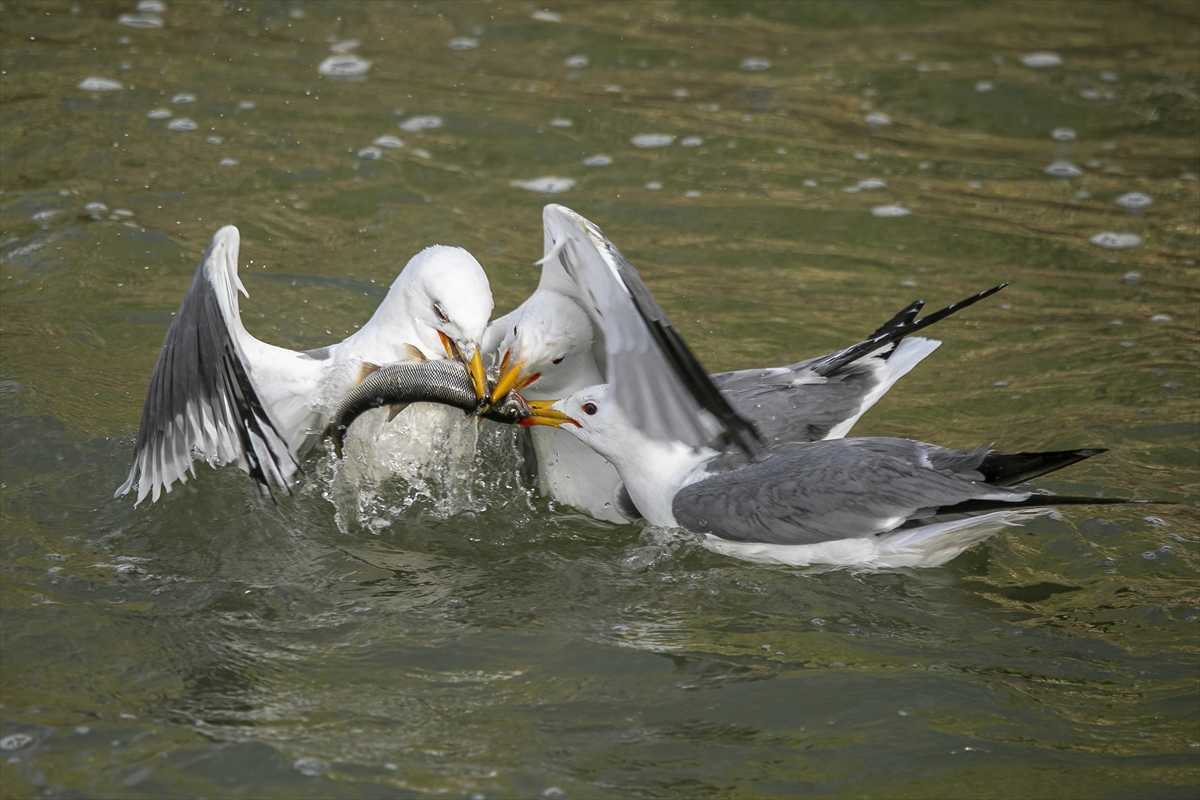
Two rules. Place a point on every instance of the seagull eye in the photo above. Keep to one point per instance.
(590, 409)
(557, 360)
(441, 314)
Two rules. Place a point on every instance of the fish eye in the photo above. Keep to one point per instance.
(441, 314)
(557, 360)
(590, 409)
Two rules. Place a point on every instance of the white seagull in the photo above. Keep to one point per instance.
(592, 320)
(220, 393)
(866, 503)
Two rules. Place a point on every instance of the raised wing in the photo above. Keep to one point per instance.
(201, 397)
(658, 381)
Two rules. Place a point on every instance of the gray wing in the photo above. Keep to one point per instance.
(823, 397)
(659, 383)
(842, 488)
(201, 397)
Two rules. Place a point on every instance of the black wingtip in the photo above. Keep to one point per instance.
(1008, 469)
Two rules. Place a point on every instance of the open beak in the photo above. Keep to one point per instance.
(474, 366)
(541, 413)
(511, 380)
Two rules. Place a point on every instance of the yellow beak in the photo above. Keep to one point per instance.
(474, 366)
(543, 414)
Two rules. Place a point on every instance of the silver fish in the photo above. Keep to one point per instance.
(398, 385)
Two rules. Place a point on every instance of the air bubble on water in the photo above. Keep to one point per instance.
(181, 124)
(460, 43)
(425, 123)
(419, 153)
(229, 162)
(344, 66)
(546, 185)
(576, 61)
(152, 7)
(561, 122)
(94, 84)
(755, 64)
(654, 186)
(1063, 134)
(1161, 318)
(159, 113)
(183, 97)
(1109, 76)
(649, 140)
(984, 86)
(309, 767)
(370, 153)
(680, 93)
(1132, 277)
(693, 193)
(1172, 385)
(213, 139)
(143, 21)
(390, 142)
(544, 15)
(598, 160)
(809, 182)
(1134, 200)
(691, 141)
(1041, 60)
(877, 119)
(1064, 169)
(246, 105)
(15, 741)
(96, 209)
(1117, 241)
(781, 151)
(890, 211)
(1150, 555)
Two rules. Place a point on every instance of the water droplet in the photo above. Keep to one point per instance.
(755, 64)
(344, 66)
(577, 61)
(1150, 556)
(246, 105)
(984, 86)
(460, 43)
(654, 186)
(680, 93)
(598, 160)
(413, 124)
(95, 84)
(1132, 277)
(370, 153)
(419, 153)
(1062, 134)
(781, 151)
(693, 193)
(229, 162)
(390, 142)
(181, 124)
(890, 211)
(877, 118)
(152, 6)
(183, 97)
(546, 185)
(1134, 200)
(546, 16)
(213, 139)
(561, 122)
(1116, 241)
(1109, 76)
(1064, 169)
(1041, 60)
(810, 183)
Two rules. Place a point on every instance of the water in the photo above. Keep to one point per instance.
(389, 644)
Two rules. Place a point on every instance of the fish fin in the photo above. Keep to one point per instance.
(396, 408)
(414, 354)
(365, 370)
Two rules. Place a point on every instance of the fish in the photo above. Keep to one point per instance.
(403, 383)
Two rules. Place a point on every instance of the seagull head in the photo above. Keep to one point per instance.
(547, 347)
(447, 293)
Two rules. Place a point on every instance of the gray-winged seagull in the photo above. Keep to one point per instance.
(592, 320)
(221, 393)
(871, 503)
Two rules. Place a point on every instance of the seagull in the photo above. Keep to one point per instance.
(866, 503)
(592, 320)
(220, 393)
